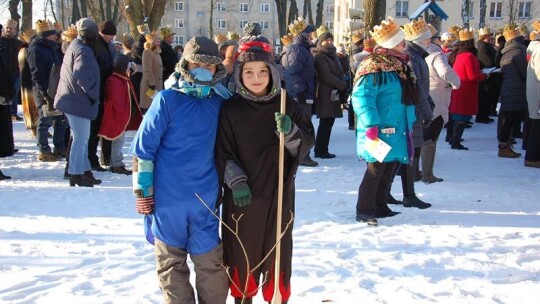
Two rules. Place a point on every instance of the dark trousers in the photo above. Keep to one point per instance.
(323, 135)
(508, 121)
(351, 116)
(533, 141)
(375, 186)
(6, 131)
(94, 140)
(434, 130)
(485, 97)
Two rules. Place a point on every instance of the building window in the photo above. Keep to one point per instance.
(330, 25)
(221, 24)
(495, 10)
(179, 23)
(402, 9)
(244, 8)
(179, 6)
(179, 40)
(330, 8)
(220, 7)
(265, 7)
(242, 23)
(265, 24)
(524, 9)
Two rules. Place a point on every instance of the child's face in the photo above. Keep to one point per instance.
(209, 67)
(256, 77)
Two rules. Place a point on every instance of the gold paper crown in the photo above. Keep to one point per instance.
(466, 34)
(298, 26)
(454, 29)
(356, 36)
(143, 29)
(287, 39)
(415, 28)
(369, 43)
(10, 23)
(322, 29)
(44, 26)
(166, 31)
(27, 35)
(511, 31)
(385, 31)
(234, 36)
(151, 37)
(70, 33)
(484, 31)
(536, 25)
(219, 38)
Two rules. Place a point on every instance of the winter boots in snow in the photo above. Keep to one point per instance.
(428, 160)
(457, 132)
(532, 164)
(409, 197)
(506, 151)
(79, 180)
(414, 201)
(90, 177)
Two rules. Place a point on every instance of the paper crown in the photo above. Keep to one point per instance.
(466, 34)
(385, 31)
(433, 30)
(534, 35)
(219, 38)
(415, 28)
(484, 31)
(287, 39)
(511, 31)
(143, 29)
(454, 29)
(166, 31)
(356, 36)
(10, 23)
(27, 35)
(70, 33)
(322, 29)
(369, 43)
(44, 26)
(234, 36)
(298, 26)
(151, 37)
(536, 25)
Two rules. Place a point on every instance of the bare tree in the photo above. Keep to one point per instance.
(319, 13)
(26, 15)
(482, 21)
(13, 9)
(281, 6)
(138, 11)
(293, 12)
(375, 12)
(308, 12)
(465, 10)
(513, 14)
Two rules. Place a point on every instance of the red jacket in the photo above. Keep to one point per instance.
(120, 112)
(465, 99)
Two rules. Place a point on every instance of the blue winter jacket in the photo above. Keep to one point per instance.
(299, 68)
(376, 100)
(178, 134)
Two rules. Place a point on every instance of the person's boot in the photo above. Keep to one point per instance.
(459, 127)
(392, 201)
(428, 160)
(308, 162)
(416, 164)
(79, 180)
(506, 151)
(3, 176)
(66, 174)
(449, 131)
(409, 197)
(90, 177)
(120, 170)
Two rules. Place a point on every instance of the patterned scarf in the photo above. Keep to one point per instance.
(386, 60)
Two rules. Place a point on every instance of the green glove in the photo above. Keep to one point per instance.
(283, 123)
(241, 194)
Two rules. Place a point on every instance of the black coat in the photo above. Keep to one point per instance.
(330, 76)
(9, 48)
(42, 55)
(168, 59)
(514, 73)
(104, 56)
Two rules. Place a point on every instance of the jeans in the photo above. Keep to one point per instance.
(116, 151)
(78, 155)
(44, 123)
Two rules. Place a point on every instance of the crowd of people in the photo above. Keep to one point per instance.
(208, 125)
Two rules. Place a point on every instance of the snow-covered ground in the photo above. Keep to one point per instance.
(479, 243)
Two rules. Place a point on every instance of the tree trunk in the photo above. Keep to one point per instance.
(293, 12)
(211, 21)
(375, 12)
(53, 12)
(319, 13)
(482, 21)
(465, 9)
(135, 11)
(75, 12)
(26, 23)
(13, 12)
(281, 7)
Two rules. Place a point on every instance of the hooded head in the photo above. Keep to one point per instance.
(205, 51)
(87, 29)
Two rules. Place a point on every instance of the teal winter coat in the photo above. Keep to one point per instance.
(376, 99)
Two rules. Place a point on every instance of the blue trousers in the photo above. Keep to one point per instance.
(78, 155)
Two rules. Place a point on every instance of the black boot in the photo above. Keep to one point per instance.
(3, 176)
(66, 174)
(459, 127)
(414, 201)
(449, 131)
(392, 201)
(409, 197)
(90, 177)
(79, 180)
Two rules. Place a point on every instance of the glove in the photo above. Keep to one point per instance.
(372, 133)
(144, 205)
(283, 123)
(153, 87)
(426, 123)
(241, 194)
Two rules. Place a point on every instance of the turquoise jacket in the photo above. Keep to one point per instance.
(376, 99)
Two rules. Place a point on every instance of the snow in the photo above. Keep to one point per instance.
(479, 243)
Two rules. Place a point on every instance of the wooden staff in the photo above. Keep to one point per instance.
(276, 299)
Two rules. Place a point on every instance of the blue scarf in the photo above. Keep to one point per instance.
(177, 83)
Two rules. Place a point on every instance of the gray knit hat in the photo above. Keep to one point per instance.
(87, 28)
(201, 50)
